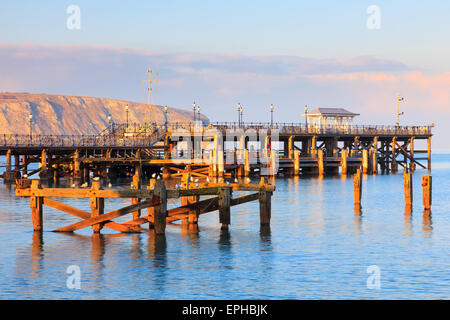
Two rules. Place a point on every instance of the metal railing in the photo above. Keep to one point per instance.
(133, 136)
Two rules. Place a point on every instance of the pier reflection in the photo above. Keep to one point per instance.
(37, 253)
(357, 218)
(427, 223)
(407, 218)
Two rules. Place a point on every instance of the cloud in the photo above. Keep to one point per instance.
(367, 85)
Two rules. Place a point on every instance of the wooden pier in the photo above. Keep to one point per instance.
(218, 150)
(153, 198)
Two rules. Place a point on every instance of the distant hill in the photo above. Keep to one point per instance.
(63, 114)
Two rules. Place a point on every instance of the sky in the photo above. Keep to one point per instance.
(219, 53)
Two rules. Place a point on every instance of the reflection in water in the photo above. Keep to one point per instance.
(427, 223)
(357, 218)
(408, 221)
(190, 232)
(136, 248)
(265, 235)
(37, 253)
(225, 252)
(157, 252)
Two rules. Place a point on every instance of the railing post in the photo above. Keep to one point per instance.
(36, 203)
(224, 207)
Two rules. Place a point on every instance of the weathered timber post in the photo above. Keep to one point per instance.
(374, 161)
(136, 185)
(320, 161)
(246, 163)
(224, 207)
(220, 164)
(8, 176)
(313, 151)
(408, 186)
(77, 166)
(427, 192)
(36, 207)
(344, 156)
(291, 147)
(429, 152)
(97, 206)
(412, 164)
(151, 210)
(394, 165)
(296, 162)
(43, 174)
(16, 166)
(365, 161)
(160, 210)
(273, 162)
(24, 165)
(265, 207)
(357, 184)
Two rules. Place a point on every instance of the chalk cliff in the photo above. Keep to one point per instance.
(64, 114)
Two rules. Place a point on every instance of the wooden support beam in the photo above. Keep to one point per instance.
(427, 192)
(109, 216)
(357, 184)
(408, 187)
(246, 163)
(394, 164)
(136, 185)
(86, 215)
(344, 156)
(296, 162)
(36, 207)
(429, 152)
(365, 161)
(97, 207)
(291, 147)
(224, 207)
(265, 207)
(320, 161)
(412, 165)
(374, 160)
(160, 210)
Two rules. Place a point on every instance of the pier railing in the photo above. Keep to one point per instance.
(130, 136)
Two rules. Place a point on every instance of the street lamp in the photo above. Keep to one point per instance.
(30, 118)
(271, 115)
(198, 111)
(165, 111)
(110, 124)
(306, 116)
(193, 107)
(126, 111)
(239, 114)
(398, 109)
(242, 119)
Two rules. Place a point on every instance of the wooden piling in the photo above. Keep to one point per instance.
(408, 187)
(160, 211)
(427, 192)
(220, 163)
(344, 156)
(374, 161)
(265, 207)
(246, 163)
(136, 185)
(320, 161)
(365, 161)
(296, 162)
(429, 152)
(97, 206)
(291, 147)
(357, 184)
(394, 165)
(412, 165)
(36, 207)
(224, 207)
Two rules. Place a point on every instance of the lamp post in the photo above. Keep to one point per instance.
(241, 111)
(398, 110)
(165, 111)
(126, 111)
(30, 119)
(239, 115)
(110, 124)
(271, 115)
(194, 107)
(198, 113)
(306, 116)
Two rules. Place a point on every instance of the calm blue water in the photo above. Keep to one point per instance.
(316, 249)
